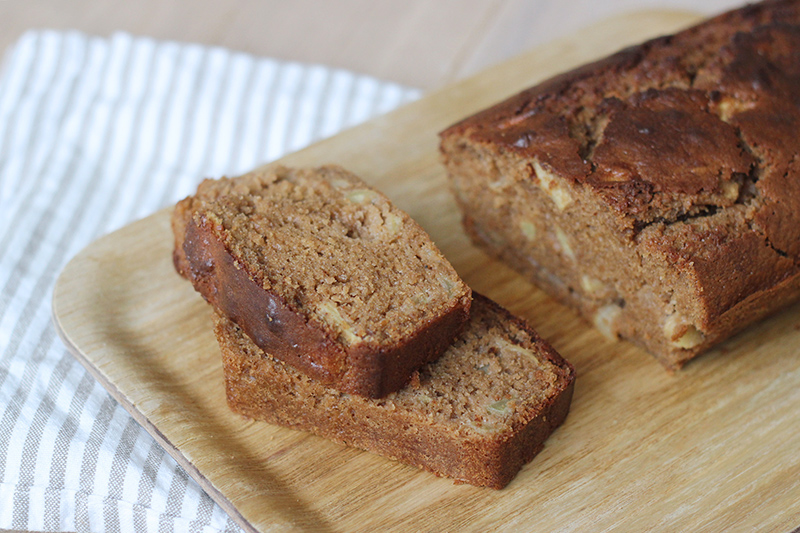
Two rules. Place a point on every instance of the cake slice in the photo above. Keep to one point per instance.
(657, 191)
(323, 273)
(477, 414)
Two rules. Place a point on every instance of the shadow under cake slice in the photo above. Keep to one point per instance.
(322, 272)
(477, 414)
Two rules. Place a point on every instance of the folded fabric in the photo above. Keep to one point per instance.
(95, 133)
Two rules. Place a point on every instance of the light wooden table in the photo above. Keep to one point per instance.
(422, 43)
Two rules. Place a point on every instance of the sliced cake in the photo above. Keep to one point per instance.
(477, 414)
(322, 272)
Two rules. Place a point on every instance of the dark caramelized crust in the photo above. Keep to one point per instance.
(657, 190)
(323, 273)
(477, 414)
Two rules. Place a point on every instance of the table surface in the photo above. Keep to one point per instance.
(417, 42)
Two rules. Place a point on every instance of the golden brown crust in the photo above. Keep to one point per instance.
(407, 426)
(218, 260)
(658, 190)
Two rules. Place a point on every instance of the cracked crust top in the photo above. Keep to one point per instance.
(680, 127)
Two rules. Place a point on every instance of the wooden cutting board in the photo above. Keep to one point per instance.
(712, 447)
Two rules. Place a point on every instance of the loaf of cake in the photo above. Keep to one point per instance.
(323, 273)
(656, 191)
(477, 414)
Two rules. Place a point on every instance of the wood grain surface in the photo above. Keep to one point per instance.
(421, 43)
(714, 447)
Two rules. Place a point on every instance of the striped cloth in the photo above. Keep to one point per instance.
(95, 133)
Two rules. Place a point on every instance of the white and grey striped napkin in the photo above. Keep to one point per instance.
(95, 133)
